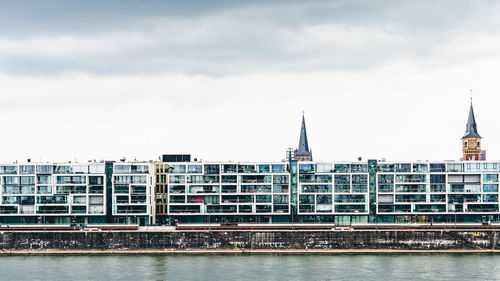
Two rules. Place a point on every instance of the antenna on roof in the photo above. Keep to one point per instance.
(471, 96)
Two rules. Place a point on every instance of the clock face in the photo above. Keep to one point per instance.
(472, 144)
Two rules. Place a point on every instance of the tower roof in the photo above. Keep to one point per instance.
(303, 149)
(471, 127)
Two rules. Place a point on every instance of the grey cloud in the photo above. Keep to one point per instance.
(226, 37)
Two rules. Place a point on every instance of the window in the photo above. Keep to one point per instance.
(385, 167)
(229, 168)
(122, 169)
(316, 188)
(229, 189)
(342, 179)
(198, 169)
(263, 198)
(80, 169)
(490, 178)
(438, 198)
(359, 168)
(256, 188)
(316, 178)
(455, 168)
(359, 179)
(96, 180)
(420, 168)
(8, 169)
(385, 179)
(342, 168)
(44, 189)
(26, 169)
(229, 179)
(307, 168)
(324, 168)
(11, 180)
(490, 187)
(44, 169)
(71, 189)
(255, 179)
(306, 199)
(264, 168)
(176, 169)
(490, 197)
(43, 179)
(280, 188)
(280, 199)
(283, 179)
(279, 168)
(437, 167)
(411, 178)
(349, 199)
(140, 169)
(79, 200)
(71, 179)
(323, 199)
(438, 178)
(176, 179)
(63, 169)
(212, 169)
(403, 167)
(246, 168)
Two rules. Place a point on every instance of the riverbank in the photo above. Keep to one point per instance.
(484, 241)
(55, 252)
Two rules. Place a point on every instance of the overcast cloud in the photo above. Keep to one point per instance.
(227, 80)
(231, 37)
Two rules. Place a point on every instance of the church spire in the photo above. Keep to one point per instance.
(303, 153)
(471, 141)
(471, 127)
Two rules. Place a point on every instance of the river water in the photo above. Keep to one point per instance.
(253, 267)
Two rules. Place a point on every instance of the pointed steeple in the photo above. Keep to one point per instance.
(303, 153)
(471, 127)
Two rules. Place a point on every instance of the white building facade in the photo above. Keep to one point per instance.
(77, 193)
(332, 192)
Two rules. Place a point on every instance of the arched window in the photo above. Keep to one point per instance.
(478, 144)
(465, 144)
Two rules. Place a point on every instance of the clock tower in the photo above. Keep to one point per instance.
(471, 141)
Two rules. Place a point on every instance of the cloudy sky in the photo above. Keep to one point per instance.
(228, 80)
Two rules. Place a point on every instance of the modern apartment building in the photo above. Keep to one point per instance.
(133, 193)
(53, 193)
(76, 193)
(300, 190)
(178, 189)
(341, 193)
(232, 192)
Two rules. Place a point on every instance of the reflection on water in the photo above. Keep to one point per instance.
(253, 267)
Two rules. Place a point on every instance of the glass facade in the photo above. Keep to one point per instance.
(134, 199)
(280, 192)
(52, 193)
(360, 192)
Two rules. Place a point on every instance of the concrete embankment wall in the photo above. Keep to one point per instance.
(250, 240)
